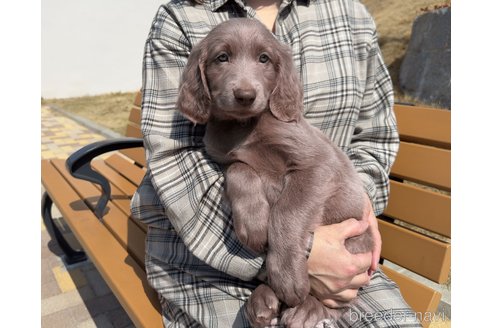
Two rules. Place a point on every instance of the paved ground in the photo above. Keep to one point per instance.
(72, 295)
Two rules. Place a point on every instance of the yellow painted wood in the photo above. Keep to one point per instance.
(423, 164)
(424, 125)
(426, 256)
(424, 208)
(421, 298)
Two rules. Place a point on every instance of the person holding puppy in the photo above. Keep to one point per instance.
(202, 273)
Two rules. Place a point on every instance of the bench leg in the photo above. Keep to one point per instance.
(71, 256)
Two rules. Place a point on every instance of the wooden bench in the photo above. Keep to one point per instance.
(416, 225)
(116, 243)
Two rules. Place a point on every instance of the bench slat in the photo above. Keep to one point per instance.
(135, 116)
(428, 126)
(423, 255)
(136, 154)
(422, 299)
(133, 130)
(138, 99)
(421, 207)
(125, 167)
(124, 230)
(120, 194)
(124, 185)
(122, 190)
(122, 273)
(423, 164)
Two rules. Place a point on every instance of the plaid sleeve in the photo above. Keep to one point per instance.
(375, 141)
(188, 184)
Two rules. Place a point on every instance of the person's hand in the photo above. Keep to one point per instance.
(335, 282)
(334, 273)
(373, 227)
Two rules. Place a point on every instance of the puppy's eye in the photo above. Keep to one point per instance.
(264, 58)
(223, 58)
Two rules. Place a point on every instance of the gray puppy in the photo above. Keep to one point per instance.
(284, 177)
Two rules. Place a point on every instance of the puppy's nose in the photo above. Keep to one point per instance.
(245, 96)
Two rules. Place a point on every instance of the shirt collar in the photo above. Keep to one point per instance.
(213, 5)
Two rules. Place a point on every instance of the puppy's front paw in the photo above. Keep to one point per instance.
(262, 307)
(288, 277)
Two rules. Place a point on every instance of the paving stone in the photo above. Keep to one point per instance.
(49, 289)
(119, 318)
(78, 277)
(46, 273)
(60, 302)
(63, 278)
(97, 283)
(87, 324)
(69, 317)
(47, 253)
(86, 293)
(57, 130)
(102, 321)
(102, 304)
(88, 267)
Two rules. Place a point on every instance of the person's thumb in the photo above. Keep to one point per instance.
(353, 227)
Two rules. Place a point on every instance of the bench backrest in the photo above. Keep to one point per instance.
(133, 130)
(416, 225)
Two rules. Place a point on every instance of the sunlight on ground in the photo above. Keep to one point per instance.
(441, 324)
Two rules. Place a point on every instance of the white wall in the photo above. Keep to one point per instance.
(93, 46)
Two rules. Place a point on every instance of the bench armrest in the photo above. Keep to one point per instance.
(79, 165)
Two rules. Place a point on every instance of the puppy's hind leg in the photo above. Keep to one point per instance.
(262, 307)
(250, 208)
(309, 314)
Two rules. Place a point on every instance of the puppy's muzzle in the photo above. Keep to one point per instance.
(244, 96)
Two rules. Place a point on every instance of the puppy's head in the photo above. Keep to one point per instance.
(238, 71)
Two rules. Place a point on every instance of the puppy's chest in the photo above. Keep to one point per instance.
(223, 138)
(228, 142)
(264, 159)
(270, 165)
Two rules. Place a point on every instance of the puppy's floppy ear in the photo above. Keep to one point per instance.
(286, 98)
(194, 96)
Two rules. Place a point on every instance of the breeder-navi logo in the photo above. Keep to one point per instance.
(395, 315)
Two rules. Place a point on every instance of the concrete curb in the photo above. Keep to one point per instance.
(87, 123)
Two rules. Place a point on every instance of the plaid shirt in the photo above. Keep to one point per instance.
(347, 94)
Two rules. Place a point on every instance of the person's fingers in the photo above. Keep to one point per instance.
(341, 299)
(356, 282)
(321, 289)
(376, 252)
(360, 263)
(352, 227)
(359, 281)
(332, 304)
